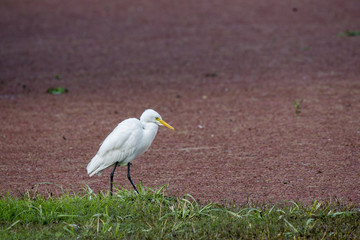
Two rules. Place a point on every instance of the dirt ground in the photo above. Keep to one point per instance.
(225, 74)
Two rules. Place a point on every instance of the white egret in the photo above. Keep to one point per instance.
(131, 138)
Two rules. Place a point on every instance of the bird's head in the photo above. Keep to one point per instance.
(151, 116)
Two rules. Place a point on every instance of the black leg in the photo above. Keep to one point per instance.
(111, 179)
(128, 175)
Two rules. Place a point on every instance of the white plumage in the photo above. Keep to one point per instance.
(131, 138)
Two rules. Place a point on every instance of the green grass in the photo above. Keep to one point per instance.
(351, 33)
(153, 215)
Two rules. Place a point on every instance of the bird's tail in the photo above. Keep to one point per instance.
(94, 166)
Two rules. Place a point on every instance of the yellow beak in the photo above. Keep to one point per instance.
(165, 124)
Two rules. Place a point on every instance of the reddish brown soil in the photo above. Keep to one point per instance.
(225, 74)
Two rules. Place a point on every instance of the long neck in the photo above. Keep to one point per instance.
(149, 133)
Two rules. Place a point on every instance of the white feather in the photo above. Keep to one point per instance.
(131, 138)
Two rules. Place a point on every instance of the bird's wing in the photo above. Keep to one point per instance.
(120, 146)
(123, 137)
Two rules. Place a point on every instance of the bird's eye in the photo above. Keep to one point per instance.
(157, 119)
